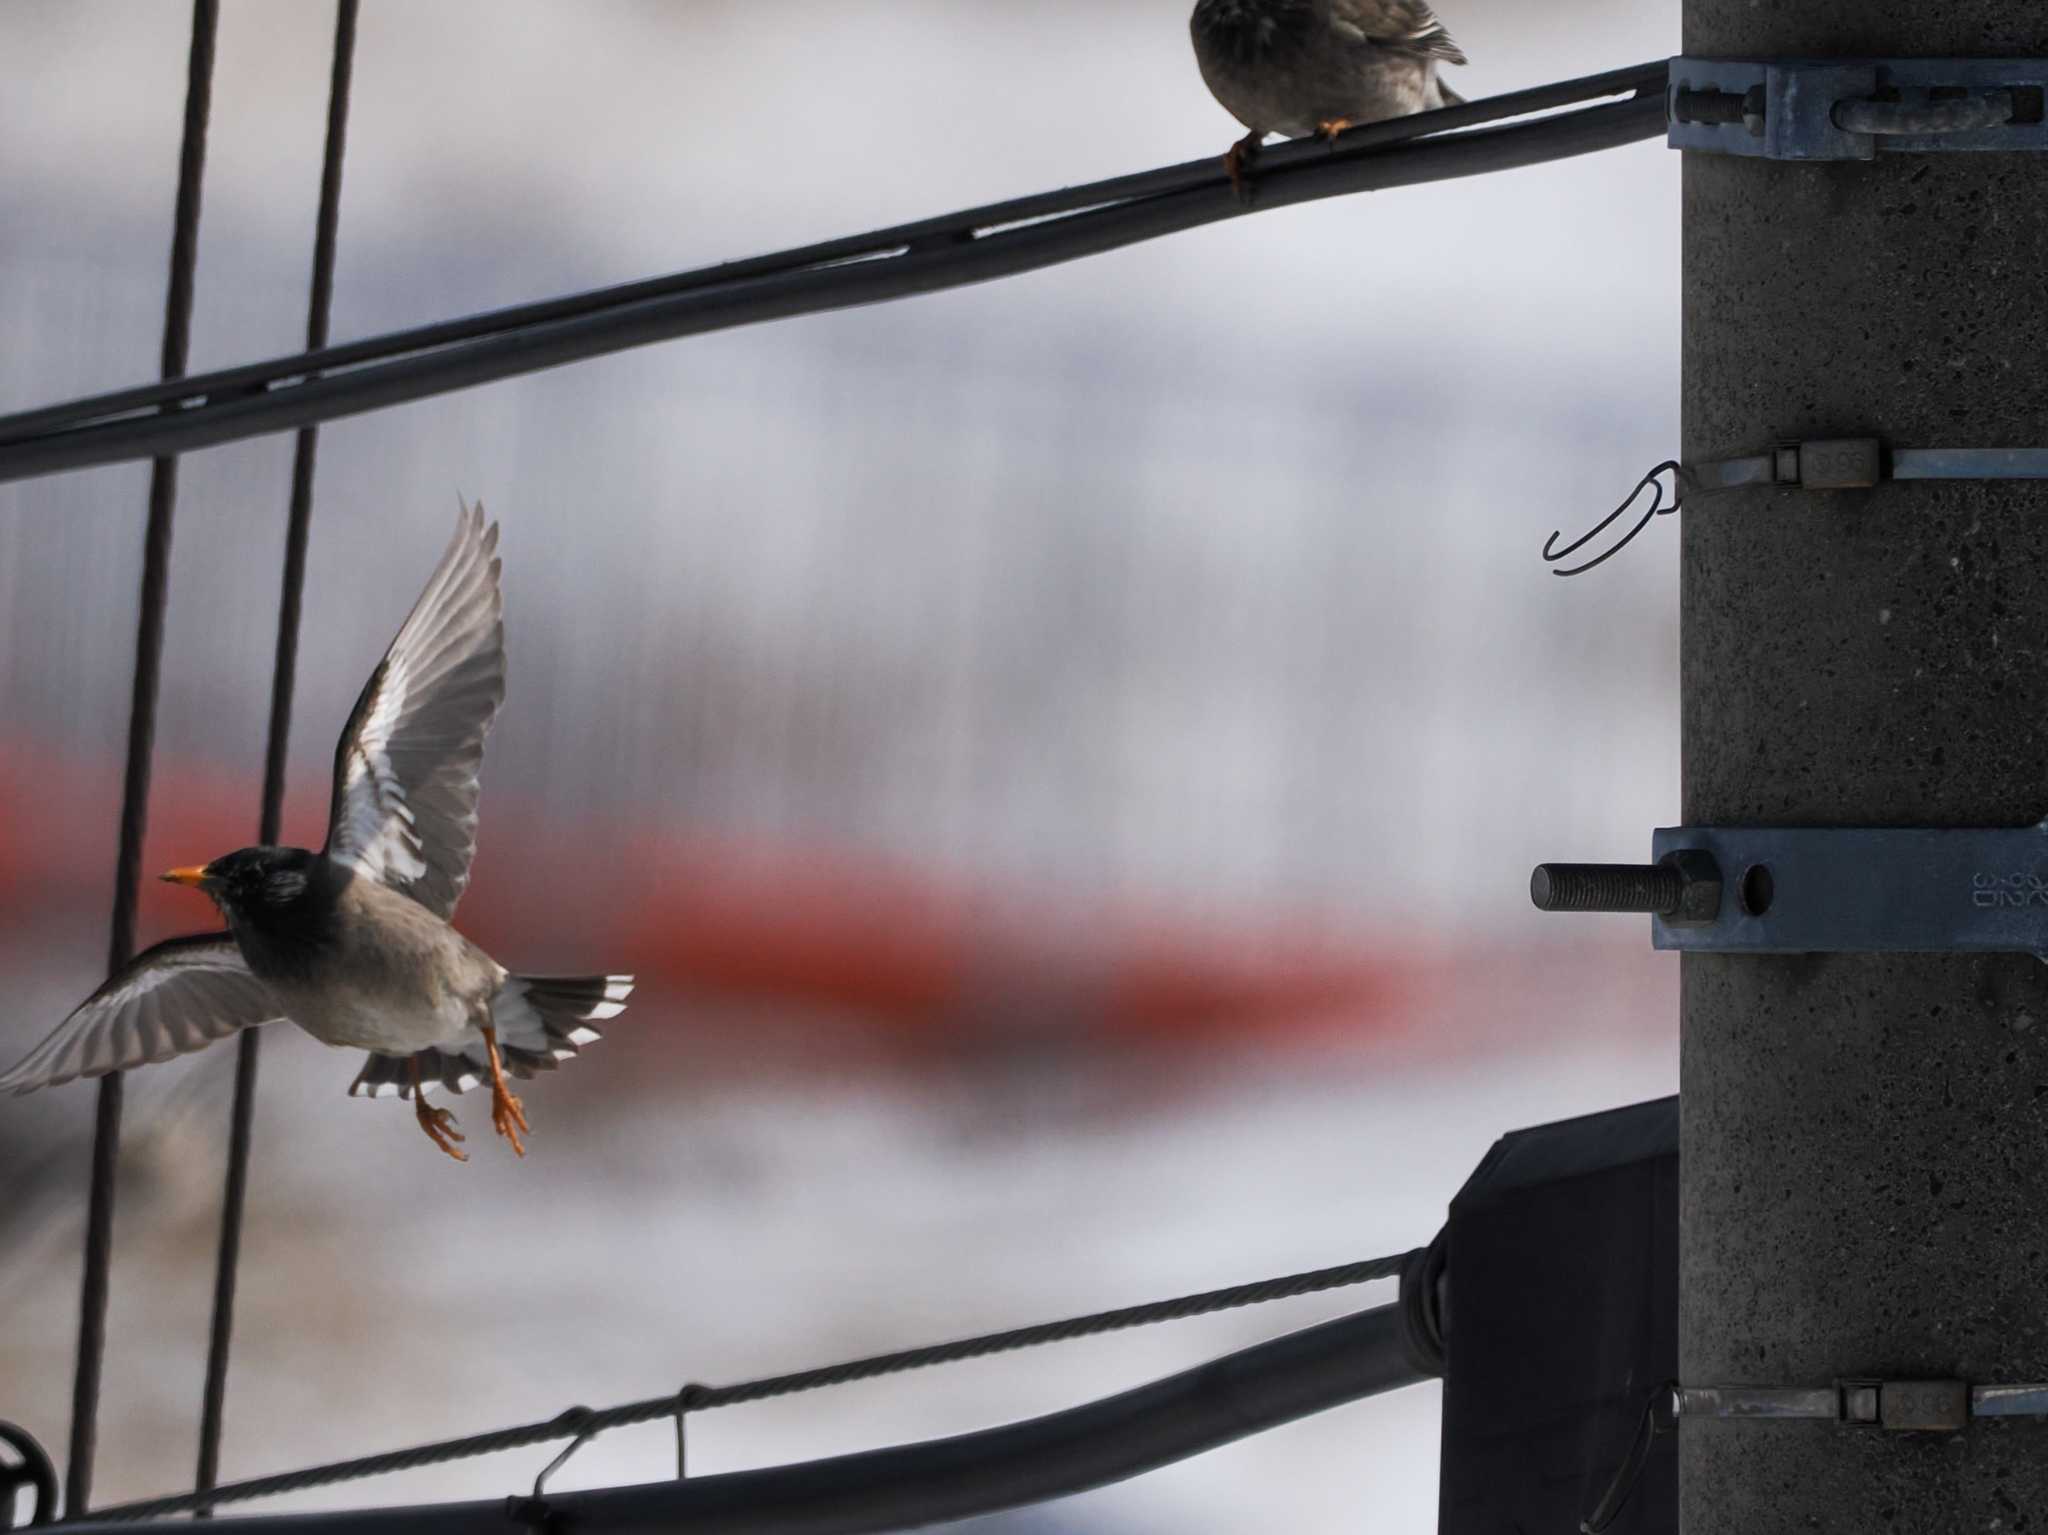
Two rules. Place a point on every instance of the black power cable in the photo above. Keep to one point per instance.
(910, 1486)
(580, 1423)
(149, 644)
(284, 674)
(978, 245)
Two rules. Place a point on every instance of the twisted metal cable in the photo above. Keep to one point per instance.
(149, 645)
(283, 680)
(582, 1423)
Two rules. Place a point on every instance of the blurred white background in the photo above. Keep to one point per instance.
(1198, 581)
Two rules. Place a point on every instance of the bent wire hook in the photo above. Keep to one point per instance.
(1651, 482)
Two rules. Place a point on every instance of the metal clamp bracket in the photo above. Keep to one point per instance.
(1818, 890)
(1902, 1406)
(1809, 890)
(1850, 109)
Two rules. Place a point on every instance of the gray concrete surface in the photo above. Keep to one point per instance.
(1864, 1178)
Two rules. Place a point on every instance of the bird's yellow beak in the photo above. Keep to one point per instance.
(195, 876)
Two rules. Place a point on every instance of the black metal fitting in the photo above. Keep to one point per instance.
(1720, 108)
(1684, 888)
(33, 1470)
(1856, 109)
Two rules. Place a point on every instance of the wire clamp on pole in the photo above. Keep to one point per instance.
(1902, 1406)
(1855, 109)
(1898, 1406)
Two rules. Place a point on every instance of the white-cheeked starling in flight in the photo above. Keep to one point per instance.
(352, 943)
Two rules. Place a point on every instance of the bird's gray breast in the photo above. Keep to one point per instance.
(393, 978)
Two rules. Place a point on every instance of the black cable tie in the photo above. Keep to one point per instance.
(1552, 555)
(579, 1421)
(1630, 1471)
(690, 1395)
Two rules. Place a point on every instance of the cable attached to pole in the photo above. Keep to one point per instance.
(284, 675)
(149, 642)
(1003, 239)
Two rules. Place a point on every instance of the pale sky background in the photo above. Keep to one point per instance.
(1204, 573)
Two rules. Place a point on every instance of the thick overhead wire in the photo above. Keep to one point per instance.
(149, 640)
(580, 1423)
(978, 245)
(284, 674)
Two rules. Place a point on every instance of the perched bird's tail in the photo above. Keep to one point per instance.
(541, 1020)
(1450, 97)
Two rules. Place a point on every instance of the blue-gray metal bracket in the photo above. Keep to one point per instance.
(1866, 890)
(1852, 109)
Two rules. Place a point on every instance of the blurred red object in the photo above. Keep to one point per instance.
(867, 938)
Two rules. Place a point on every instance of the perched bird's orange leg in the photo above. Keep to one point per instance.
(508, 1114)
(1240, 162)
(438, 1123)
(1336, 125)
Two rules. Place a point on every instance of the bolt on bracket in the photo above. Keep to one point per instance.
(1851, 109)
(1821, 890)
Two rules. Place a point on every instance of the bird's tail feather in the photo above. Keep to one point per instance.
(541, 1020)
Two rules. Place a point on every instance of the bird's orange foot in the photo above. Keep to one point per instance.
(440, 1127)
(1330, 129)
(508, 1116)
(1241, 163)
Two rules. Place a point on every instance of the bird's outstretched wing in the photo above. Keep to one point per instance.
(405, 787)
(1404, 26)
(173, 999)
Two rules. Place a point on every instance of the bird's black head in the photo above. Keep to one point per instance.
(262, 886)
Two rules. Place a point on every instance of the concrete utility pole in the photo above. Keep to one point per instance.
(1865, 1164)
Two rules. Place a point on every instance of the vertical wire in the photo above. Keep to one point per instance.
(283, 677)
(149, 639)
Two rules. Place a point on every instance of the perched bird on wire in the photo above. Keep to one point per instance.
(352, 943)
(1318, 66)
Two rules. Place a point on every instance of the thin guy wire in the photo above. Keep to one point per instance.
(149, 641)
(283, 677)
(979, 245)
(585, 1422)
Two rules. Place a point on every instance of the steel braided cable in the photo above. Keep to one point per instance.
(149, 644)
(584, 1422)
(283, 680)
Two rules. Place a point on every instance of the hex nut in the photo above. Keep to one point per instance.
(1699, 901)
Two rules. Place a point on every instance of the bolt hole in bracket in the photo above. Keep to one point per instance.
(1822, 890)
(1853, 109)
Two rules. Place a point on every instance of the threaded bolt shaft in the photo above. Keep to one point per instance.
(1656, 889)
